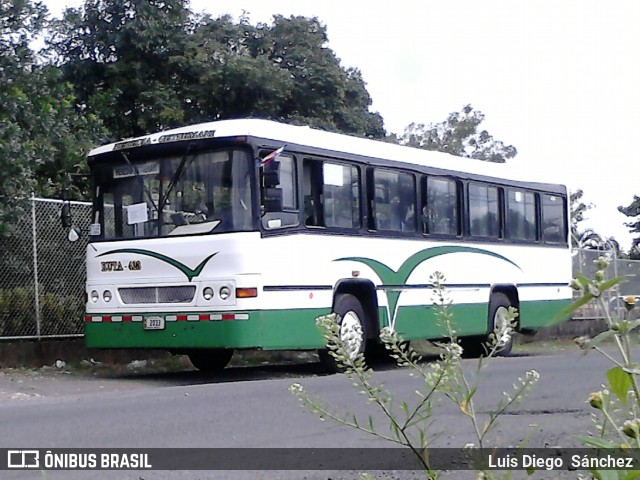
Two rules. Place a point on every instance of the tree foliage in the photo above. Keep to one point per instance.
(578, 210)
(633, 211)
(459, 135)
(146, 66)
(118, 56)
(18, 21)
(41, 133)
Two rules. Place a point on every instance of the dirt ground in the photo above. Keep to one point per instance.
(68, 375)
(24, 384)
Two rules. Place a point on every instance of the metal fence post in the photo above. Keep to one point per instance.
(36, 289)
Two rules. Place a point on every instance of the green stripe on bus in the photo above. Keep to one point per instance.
(296, 329)
(271, 330)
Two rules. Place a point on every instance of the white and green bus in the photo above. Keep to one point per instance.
(238, 234)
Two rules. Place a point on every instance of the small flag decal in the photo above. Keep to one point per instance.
(272, 156)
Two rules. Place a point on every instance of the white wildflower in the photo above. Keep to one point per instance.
(296, 388)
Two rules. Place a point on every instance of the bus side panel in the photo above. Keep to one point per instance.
(542, 313)
(292, 329)
(422, 321)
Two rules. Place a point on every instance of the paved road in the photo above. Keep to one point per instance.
(251, 407)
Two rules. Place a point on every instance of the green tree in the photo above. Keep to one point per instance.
(324, 94)
(578, 211)
(282, 71)
(633, 211)
(459, 135)
(42, 135)
(226, 75)
(145, 66)
(118, 57)
(19, 22)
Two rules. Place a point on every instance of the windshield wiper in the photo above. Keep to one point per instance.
(176, 177)
(140, 180)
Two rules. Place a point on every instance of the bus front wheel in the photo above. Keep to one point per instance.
(210, 360)
(498, 312)
(352, 330)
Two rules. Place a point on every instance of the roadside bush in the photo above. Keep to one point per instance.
(60, 314)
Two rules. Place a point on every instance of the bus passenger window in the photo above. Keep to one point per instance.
(341, 196)
(440, 207)
(484, 211)
(312, 193)
(554, 229)
(521, 215)
(394, 201)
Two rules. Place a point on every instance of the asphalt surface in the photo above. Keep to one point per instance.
(251, 407)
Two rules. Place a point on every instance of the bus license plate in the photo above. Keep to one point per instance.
(154, 323)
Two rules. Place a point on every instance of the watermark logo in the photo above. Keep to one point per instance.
(23, 459)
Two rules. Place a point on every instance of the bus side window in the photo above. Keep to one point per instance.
(394, 200)
(554, 228)
(521, 215)
(331, 194)
(484, 211)
(341, 195)
(312, 193)
(440, 206)
(289, 186)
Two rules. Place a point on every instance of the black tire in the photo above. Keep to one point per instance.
(352, 320)
(474, 347)
(210, 360)
(376, 353)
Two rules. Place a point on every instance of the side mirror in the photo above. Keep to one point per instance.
(272, 199)
(65, 215)
(74, 234)
(271, 174)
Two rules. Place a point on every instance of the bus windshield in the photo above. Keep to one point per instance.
(194, 193)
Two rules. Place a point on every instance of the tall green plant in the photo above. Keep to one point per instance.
(410, 422)
(617, 405)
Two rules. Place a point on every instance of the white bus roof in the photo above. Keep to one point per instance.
(281, 133)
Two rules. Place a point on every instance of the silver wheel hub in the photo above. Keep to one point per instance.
(351, 334)
(501, 326)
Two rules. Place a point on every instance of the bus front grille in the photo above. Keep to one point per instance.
(181, 294)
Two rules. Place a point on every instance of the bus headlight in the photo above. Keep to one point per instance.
(225, 292)
(207, 293)
(106, 296)
(94, 296)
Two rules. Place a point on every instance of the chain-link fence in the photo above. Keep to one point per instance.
(584, 261)
(42, 275)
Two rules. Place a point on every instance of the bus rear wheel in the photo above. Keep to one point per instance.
(210, 360)
(477, 346)
(353, 331)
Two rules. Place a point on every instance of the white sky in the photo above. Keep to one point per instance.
(559, 80)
